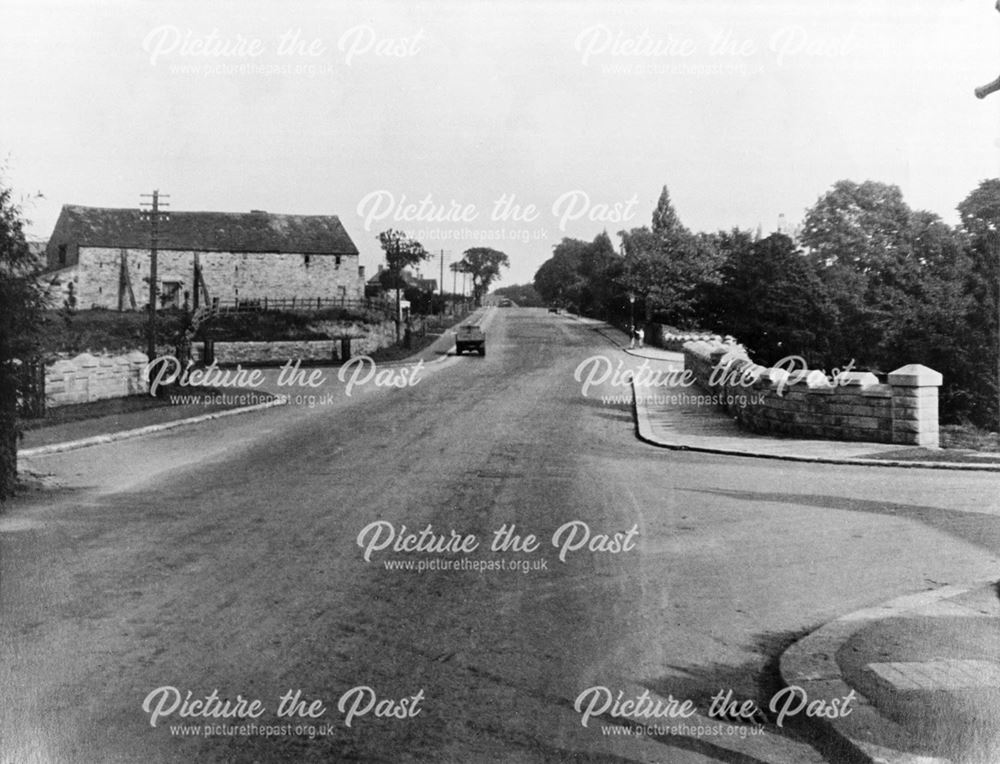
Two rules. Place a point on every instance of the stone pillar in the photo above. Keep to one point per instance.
(915, 406)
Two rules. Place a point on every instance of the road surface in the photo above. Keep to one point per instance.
(223, 560)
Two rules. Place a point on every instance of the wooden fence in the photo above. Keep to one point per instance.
(296, 304)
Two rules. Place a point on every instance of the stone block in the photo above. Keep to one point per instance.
(872, 436)
(914, 396)
(821, 389)
(861, 422)
(926, 439)
(877, 391)
(60, 367)
(817, 380)
(849, 379)
(914, 425)
(915, 375)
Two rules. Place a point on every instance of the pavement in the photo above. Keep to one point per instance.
(67, 436)
(921, 672)
(916, 680)
(680, 418)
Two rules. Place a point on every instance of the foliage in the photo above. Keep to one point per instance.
(483, 264)
(422, 302)
(666, 266)
(558, 280)
(524, 295)
(584, 276)
(875, 282)
(401, 251)
(21, 303)
(769, 297)
(274, 325)
(859, 226)
(96, 330)
(904, 287)
(980, 215)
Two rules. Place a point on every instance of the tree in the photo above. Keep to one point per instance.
(980, 213)
(601, 269)
(665, 265)
(665, 220)
(904, 287)
(21, 303)
(858, 237)
(524, 295)
(858, 225)
(483, 264)
(558, 280)
(769, 297)
(583, 275)
(667, 272)
(400, 252)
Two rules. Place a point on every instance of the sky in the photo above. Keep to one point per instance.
(501, 124)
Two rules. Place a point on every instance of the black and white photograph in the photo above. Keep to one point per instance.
(481, 381)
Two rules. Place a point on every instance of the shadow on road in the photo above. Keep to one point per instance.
(973, 527)
(758, 681)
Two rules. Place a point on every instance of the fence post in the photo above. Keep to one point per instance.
(915, 405)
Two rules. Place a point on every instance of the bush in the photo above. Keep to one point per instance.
(274, 325)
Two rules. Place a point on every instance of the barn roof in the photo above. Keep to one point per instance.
(207, 231)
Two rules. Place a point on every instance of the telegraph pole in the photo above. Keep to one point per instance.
(441, 282)
(152, 212)
(454, 285)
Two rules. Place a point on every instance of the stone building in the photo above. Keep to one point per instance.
(102, 257)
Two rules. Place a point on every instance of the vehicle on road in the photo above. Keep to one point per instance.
(470, 337)
(553, 308)
(505, 303)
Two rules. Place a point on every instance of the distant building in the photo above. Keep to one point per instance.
(375, 287)
(792, 231)
(102, 256)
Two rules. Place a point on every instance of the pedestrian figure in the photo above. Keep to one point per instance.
(640, 335)
(632, 336)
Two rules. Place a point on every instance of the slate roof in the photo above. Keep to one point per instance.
(207, 231)
(427, 285)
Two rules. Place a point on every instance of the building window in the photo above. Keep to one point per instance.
(62, 254)
(336, 262)
(170, 294)
(305, 259)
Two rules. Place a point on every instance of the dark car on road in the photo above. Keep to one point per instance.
(470, 338)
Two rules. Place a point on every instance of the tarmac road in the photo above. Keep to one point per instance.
(225, 557)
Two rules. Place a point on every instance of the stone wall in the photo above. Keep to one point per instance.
(87, 378)
(365, 339)
(669, 338)
(227, 275)
(809, 403)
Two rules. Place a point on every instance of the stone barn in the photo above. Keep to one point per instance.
(102, 256)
